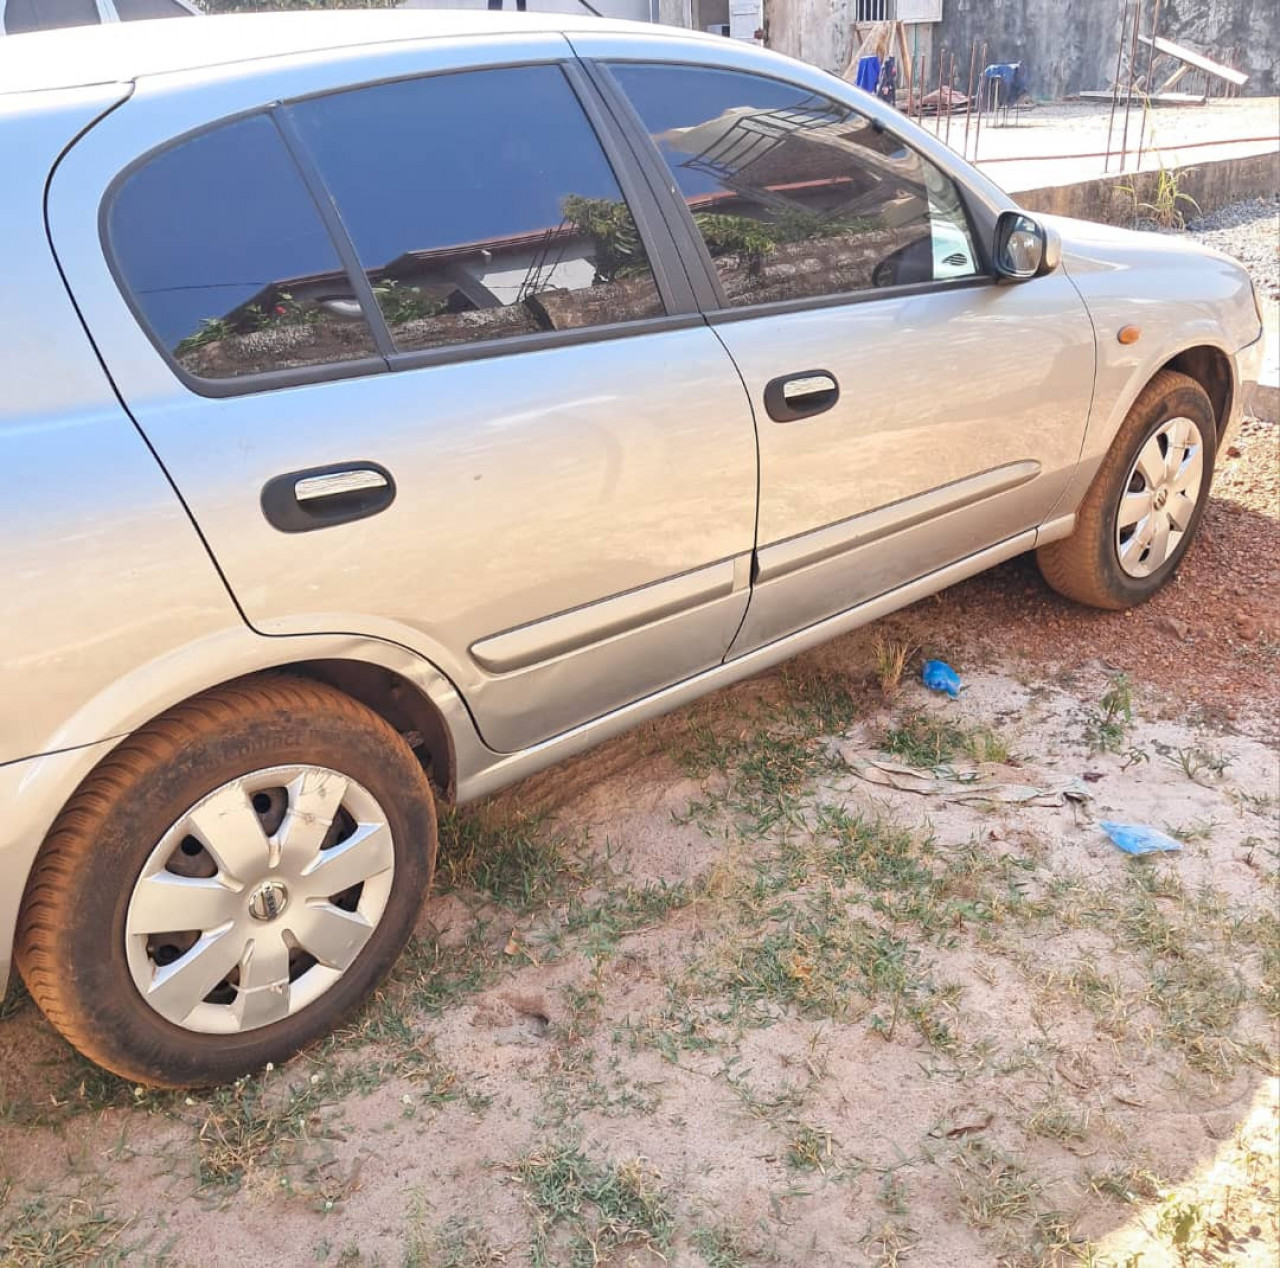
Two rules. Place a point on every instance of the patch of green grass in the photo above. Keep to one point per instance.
(459, 1243)
(1056, 1120)
(821, 961)
(1128, 1183)
(811, 1149)
(600, 923)
(995, 1191)
(1264, 931)
(585, 1212)
(924, 740)
(820, 702)
(514, 862)
(721, 1247)
(1199, 1000)
(63, 1233)
(1003, 1201)
(931, 740)
(435, 976)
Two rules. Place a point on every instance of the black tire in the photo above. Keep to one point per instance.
(71, 941)
(1086, 565)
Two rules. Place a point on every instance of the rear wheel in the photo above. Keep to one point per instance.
(1144, 506)
(229, 884)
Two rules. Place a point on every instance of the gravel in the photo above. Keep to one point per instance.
(1250, 231)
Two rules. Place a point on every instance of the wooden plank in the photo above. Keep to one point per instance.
(1198, 60)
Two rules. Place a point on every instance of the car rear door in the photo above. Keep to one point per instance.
(417, 358)
(911, 411)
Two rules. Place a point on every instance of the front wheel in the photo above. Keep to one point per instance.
(231, 882)
(1144, 506)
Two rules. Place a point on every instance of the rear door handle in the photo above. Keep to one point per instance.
(800, 395)
(320, 497)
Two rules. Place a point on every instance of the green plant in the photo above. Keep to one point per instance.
(1108, 726)
(401, 303)
(210, 330)
(1201, 766)
(1165, 209)
(736, 235)
(618, 251)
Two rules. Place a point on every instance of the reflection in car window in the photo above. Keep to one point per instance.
(47, 15)
(797, 195)
(481, 205)
(226, 256)
(136, 10)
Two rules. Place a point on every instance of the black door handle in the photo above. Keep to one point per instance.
(800, 395)
(320, 497)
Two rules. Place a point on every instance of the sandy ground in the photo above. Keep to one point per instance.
(1055, 1052)
(709, 996)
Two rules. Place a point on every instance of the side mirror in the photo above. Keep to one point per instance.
(1024, 248)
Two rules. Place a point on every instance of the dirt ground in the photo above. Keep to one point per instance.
(823, 970)
(718, 995)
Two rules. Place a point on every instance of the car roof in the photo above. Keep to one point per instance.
(120, 52)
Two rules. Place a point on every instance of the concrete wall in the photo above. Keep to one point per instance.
(1070, 46)
(1111, 199)
(1066, 44)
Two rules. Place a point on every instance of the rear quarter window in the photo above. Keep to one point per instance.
(220, 248)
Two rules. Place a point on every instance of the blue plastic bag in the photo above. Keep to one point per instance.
(1137, 838)
(939, 676)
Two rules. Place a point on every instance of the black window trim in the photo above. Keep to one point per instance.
(321, 195)
(659, 176)
(680, 304)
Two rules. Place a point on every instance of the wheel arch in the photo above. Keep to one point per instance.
(1209, 366)
(398, 701)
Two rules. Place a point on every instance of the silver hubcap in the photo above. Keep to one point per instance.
(259, 899)
(1159, 497)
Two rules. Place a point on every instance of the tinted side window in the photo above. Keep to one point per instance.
(797, 195)
(47, 15)
(225, 255)
(481, 205)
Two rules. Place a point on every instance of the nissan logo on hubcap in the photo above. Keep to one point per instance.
(268, 900)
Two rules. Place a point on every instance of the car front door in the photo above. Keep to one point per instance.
(422, 370)
(911, 411)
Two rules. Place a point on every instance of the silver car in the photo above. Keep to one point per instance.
(396, 403)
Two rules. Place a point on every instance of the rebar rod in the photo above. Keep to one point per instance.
(937, 105)
(1147, 84)
(968, 105)
(1128, 97)
(1115, 83)
(977, 127)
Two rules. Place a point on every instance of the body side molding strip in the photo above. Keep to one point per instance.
(577, 628)
(481, 771)
(798, 552)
